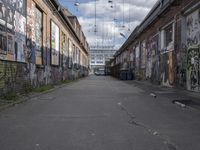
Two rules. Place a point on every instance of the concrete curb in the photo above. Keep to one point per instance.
(192, 94)
(180, 104)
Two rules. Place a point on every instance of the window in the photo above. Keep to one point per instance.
(70, 54)
(167, 37)
(38, 36)
(74, 54)
(99, 62)
(55, 43)
(100, 58)
(3, 46)
(77, 55)
(64, 49)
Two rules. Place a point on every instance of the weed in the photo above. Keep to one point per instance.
(43, 88)
(10, 97)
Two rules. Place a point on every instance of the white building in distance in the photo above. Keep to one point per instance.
(100, 54)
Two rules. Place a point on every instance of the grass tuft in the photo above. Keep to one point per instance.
(43, 88)
(65, 81)
(10, 97)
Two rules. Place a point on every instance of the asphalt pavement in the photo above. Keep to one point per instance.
(100, 113)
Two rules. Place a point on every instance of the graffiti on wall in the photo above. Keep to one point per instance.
(10, 18)
(182, 70)
(193, 68)
(193, 28)
(8, 73)
(152, 61)
(155, 76)
(148, 61)
(137, 57)
(13, 29)
(193, 39)
(131, 58)
(143, 55)
(2, 13)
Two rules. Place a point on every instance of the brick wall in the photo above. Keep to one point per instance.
(43, 57)
(165, 66)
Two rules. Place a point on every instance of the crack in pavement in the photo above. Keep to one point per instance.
(132, 121)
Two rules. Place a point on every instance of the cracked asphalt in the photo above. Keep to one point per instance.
(100, 113)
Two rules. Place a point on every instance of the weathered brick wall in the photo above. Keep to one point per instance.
(14, 77)
(167, 68)
(37, 70)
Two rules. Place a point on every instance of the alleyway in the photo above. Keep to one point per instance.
(99, 113)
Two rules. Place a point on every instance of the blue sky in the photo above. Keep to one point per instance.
(119, 16)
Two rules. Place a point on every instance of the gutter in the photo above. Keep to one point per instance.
(56, 5)
(140, 28)
(189, 10)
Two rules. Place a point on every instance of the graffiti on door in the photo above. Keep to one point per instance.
(193, 68)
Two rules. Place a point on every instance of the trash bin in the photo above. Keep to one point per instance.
(123, 74)
(129, 75)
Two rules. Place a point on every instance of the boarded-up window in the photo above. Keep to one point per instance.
(38, 36)
(55, 43)
(70, 54)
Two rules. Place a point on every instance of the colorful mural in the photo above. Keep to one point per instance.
(30, 35)
(193, 28)
(7, 74)
(193, 75)
(193, 40)
(13, 30)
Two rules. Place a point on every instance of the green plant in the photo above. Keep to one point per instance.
(43, 88)
(65, 81)
(11, 96)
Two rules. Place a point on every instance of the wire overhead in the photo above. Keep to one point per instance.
(95, 17)
(123, 25)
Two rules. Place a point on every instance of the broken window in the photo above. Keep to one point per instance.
(169, 34)
(167, 38)
(3, 46)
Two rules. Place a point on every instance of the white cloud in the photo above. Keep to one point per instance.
(110, 20)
